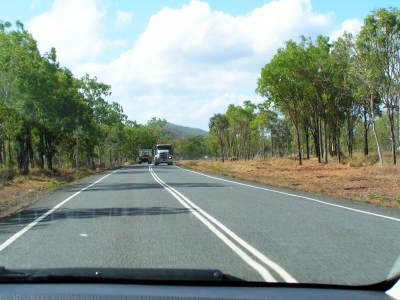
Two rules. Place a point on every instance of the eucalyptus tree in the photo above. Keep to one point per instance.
(18, 64)
(379, 41)
(343, 54)
(212, 144)
(248, 115)
(281, 137)
(319, 72)
(115, 122)
(239, 137)
(219, 126)
(129, 142)
(63, 114)
(193, 147)
(157, 126)
(93, 92)
(262, 125)
(283, 88)
(344, 107)
(362, 86)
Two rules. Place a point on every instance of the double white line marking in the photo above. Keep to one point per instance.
(222, 232)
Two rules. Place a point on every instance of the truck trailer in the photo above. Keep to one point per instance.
(145, 155)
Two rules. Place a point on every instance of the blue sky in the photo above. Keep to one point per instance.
(179, 60)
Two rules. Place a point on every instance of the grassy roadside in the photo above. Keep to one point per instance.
(358, 180)
(20, 191)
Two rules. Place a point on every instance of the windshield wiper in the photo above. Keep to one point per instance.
(115, 274)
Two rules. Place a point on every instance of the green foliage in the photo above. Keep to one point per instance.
(48, 116)
(321, 98)
(195, 147)
(219, 126)
(379, 47)
(52, 184)
(385, 199)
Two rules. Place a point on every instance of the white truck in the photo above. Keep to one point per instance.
(163, 153)
(145, 155)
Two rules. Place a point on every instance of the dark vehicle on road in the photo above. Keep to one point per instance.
(145, 155)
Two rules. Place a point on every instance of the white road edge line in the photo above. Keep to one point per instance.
(32, 224)
(199, 213)
(297, 196)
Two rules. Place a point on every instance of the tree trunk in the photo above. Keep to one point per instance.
(365, 134)
(99, 154)
(23, 161)
(298, 145)
(5, 155)
(41, 149)
(9, 152)
(332, 143)
(29, 146)
(307, 142)
(349, 148)
(366, 142)
(1, 144)
(316, 146)
(76, 152)
(391, 121)
(325, 142)
(378, 146)
(21, 152)
(338, 147)
(321, 152)
(50, 160)
(49, 148)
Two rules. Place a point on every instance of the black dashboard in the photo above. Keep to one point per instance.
(146, 291)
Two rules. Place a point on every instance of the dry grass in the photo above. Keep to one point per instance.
(359, 179)
(20, 191)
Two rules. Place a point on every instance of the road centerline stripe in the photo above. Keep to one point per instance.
(296, 196)
(206, 218)
(10, 240)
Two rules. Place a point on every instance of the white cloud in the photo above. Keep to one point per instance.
(190, 62)
(193, 62)
(74, 27)
(122, 18)
(352, 26)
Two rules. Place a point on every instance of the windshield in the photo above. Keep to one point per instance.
(163, 147)
(281, 121)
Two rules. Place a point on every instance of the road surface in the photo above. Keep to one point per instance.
(147, 216)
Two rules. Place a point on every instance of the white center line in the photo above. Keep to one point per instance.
(205, 218)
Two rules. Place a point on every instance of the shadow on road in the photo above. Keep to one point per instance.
(27, 216)
(111, 187)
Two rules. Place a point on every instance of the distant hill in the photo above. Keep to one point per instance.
(178, 132)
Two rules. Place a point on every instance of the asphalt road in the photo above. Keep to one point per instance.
(147, 216)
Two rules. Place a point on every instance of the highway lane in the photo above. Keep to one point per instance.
(126, 220)
(165, 216)
(314, 242)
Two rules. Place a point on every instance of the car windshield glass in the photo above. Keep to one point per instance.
(258, 139)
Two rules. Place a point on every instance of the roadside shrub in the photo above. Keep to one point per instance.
(359, 160)
(7, 174)
(385, 198)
